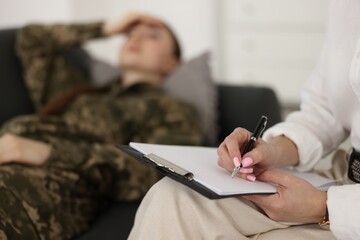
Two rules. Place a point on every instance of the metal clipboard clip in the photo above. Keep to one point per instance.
(162, 163)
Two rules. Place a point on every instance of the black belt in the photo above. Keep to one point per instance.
(354, 166)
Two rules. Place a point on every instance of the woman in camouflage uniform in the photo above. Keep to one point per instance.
(59, 166)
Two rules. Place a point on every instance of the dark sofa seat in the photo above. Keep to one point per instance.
(237, 105)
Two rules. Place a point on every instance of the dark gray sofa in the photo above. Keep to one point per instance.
(115, 222)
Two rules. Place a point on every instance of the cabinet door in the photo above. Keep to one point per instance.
(273, 43)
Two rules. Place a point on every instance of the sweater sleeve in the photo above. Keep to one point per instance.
(314, 129)
(37, 40)
(343, 206)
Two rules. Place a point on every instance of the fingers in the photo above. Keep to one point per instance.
(125, 24)
(296, 200)
(262, 200)
(22, 150)
(8, 148)
(277, 177)
(230, 156)
(272, 176)
(135, 18)
(229, 150)
(236, 140)
(150, 20)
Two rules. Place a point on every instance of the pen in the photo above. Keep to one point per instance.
(260, 127)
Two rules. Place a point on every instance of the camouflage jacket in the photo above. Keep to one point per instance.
(82, 137)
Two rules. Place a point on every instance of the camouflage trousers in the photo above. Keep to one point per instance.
(56, 202)
(39, 203)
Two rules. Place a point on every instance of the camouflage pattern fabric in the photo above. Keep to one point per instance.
(60, 199)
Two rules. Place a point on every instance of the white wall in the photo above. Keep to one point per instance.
(273, 43)
(18, 12)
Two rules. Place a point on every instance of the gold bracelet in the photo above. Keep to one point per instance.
(325, 222)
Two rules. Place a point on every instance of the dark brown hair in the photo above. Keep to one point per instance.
(177, 48)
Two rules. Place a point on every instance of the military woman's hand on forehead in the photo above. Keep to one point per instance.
(125, 24)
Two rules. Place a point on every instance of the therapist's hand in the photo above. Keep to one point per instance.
(279, 152)
(295, 201)
(253, 163)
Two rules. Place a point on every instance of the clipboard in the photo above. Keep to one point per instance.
(196, 167)
(172, 171)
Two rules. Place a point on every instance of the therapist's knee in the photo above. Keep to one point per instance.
(167, 189)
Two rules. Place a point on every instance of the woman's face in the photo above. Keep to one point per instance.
(149, 49)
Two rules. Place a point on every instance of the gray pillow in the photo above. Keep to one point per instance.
(102, 72)
(191, 82)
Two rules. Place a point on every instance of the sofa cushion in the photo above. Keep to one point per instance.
(193, 83)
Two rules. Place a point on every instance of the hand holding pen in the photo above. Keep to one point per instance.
(229, 151)
(250, 144)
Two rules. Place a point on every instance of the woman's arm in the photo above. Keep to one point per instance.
(36, 40)
(42, 51)
(314, 129)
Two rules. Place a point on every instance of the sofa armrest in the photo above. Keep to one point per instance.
(14, 97)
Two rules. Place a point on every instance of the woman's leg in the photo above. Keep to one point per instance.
(170, 210)
(15, 222)
(40, 203)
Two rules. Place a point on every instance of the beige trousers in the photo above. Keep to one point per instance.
(171, 210)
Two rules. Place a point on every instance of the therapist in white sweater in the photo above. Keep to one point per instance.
(330, 113)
